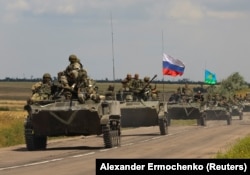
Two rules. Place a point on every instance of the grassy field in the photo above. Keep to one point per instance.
(13, 96)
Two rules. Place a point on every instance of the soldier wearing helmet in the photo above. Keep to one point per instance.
(150, 91)
(127, 83)
(41, 90)
(69, 76)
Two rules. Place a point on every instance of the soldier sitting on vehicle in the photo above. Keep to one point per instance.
(198, 97)
(109, 94)
(86, 89)
(136, 87)
(68, 77)
(41, 90)
(174, 98)
(126, 87)
(187, 93)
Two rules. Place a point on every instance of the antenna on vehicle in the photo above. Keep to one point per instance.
(113, 57)
(112, 47)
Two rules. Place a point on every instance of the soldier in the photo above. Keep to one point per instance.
(86, 89)
(109, 94)
(187, 93)
(126, 87)
(127, 83)
(69, 76)
(186, 90)
(136, 84)
(198, 97)
(41, 90)
(149, 91)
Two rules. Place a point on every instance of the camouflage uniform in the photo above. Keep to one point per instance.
(109, 94)
(136, 84)
(127, 83)
(86, 89)
(41, 90)
(69, 76)
(149, 91)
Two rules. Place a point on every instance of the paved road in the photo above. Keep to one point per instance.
(77, 156)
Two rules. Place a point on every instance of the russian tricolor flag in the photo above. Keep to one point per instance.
(172, 66)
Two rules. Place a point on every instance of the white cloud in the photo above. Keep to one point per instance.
(185, 11)
(18, 5)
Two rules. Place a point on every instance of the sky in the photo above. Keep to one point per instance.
(116, 37)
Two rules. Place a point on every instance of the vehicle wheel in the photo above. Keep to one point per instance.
(163, 126)
(229, 120)
(198, 121)
(241, 116)
(203, 121)
(168, 121)
(33, 142)
(111, 137)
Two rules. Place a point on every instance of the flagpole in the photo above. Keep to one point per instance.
(162, 40)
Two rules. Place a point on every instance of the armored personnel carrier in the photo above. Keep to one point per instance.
(246, 102)
(237, 110)
(183, 106)
(184, 111)
(213, 111)
(69, 117)
(140, 112)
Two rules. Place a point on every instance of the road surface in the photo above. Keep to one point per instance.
(77, 155)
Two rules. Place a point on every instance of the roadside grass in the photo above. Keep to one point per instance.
(11, 128)
(240, 150)
(183, 122)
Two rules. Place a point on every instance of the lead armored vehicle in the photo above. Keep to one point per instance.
(69, 117)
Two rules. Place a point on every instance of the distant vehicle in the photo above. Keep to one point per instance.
(246, 102)
(183, 107)
(184, 111)
(212, 111)
(237, 110)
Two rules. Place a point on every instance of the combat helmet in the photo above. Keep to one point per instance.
(47, 75)
(146, 79)
(73, 57)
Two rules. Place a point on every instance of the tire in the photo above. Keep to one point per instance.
(168, 121)
(111, 138)
(203, 121)
(163, 127)
(241, 115)
(32, 141)
(198, 121)
(229, 120)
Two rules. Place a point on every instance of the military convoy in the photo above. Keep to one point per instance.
(188, 107)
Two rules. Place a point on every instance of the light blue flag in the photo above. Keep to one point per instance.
(210, 78)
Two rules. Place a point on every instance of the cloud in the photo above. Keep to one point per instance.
(185, 11)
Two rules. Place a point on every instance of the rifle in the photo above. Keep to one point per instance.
(145, 86)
